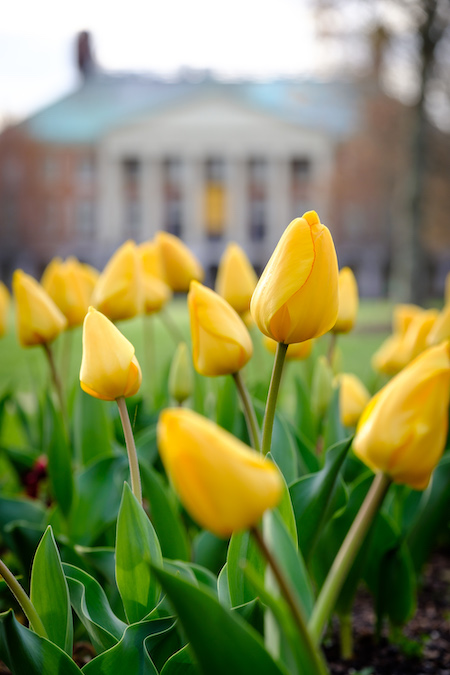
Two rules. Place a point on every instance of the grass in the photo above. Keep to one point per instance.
(24, 369)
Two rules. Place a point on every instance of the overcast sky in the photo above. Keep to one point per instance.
(261, 38)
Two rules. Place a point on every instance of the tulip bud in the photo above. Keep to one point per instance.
(403, 315)
(415, 339)
(151, 259)
(297, 351)
(403, 429)
(181, 381)
(49, 279)
(67, 288)
(353, 398)
(321, 386)
(221, 343)
(224, 485)
(5, 300)
(236, 278)
(440, 330)
(156, 293)
(109, 368)
(348, 301)
(180, 265)
(38, 319)
(393, 354)
(118, 293)
(296, 298)
(88, 276)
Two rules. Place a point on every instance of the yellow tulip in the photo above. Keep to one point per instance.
(403, 429)
(49, 278)
(151, 259)
(118, 293)
(109, 368)
(415, 339)
(348, 301)
(321, 386)
(181, 379)
(297, 351)
(224, 485)
(394, 353)
(38, 319)
(5, 300)
(180, 265)
(156, 293)
(88, 276)
(440, 330)
(402, 317)
(353, 398)
(236, 279)
(68, 290)
(296, 298)
(221, 343)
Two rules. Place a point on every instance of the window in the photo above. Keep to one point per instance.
(133, 216)
(172, 185)
(214, 198)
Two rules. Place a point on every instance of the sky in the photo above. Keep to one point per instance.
(259, 38)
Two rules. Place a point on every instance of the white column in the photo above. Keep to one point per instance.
(193, 201)
(236, 201)
(110, 212)
(151, 190)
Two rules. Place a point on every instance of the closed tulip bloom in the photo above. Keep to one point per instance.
(440, 330)
(221, 343)
(236, 279)
(156, 293)
(402, 317)
(415, 339)
(181, 376)
(225, 486)
(348, 301)
(296, 298)
(38, 319)
(180, 265)
(353, 398)
(118, 293)
(50, 276)
(389, 357)
(321, 386)
(5, 301)
(403, 429)
(68, 290)
(88, 276)
(297, 351)
(109, 368)
(151, 259)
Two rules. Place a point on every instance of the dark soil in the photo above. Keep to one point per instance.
(425, 646)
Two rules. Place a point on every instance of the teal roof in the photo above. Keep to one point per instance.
(106, 101)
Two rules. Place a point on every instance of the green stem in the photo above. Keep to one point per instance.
(272, 396)
(249, 411)
(347, 554)
(57, 384)
(131, 449)
(23, 600)
(346, 636)
(171, 326)
(314, 654)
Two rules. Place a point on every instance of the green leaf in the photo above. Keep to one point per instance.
(24, 652)
(311, 496)
(99, 489)
(180, 663)
(431, 515)
(210, 551)
(92, 607)
(227, 403)
(304, 416)
(395, 571)
(333, 431)
(137, 546)
(308, 461)
(59, 458)
(223, 592)
(285, 508)
(132, 654)
(146, 445)
(283, 449)
(92, 428)
(49, 593)
(164, 515)
(220, 640)
(23, 540)
(289, 559)
(242, 548)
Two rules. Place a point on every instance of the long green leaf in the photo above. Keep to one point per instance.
(311, 495)
(49, 593)
(92, 608)
(59, 458)
(180, 663)
(137, 547)
(221, 641)
(26, 653)
(132, 655)
(92, 428)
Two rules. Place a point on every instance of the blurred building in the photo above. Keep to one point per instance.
(210, 161)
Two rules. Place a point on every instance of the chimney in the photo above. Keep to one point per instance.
(85, 57)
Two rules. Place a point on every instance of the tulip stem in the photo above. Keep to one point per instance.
(347, 554)
(296, 610)
(272, 396)
(57, 384)
(23, 600)
(131, 449)
(249, 411)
